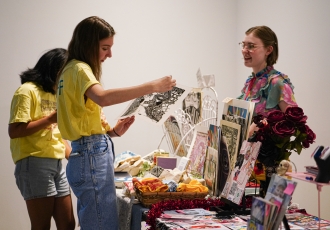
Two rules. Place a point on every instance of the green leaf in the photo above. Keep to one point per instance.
(299, 147)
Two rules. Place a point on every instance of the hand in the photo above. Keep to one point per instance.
(163, 84)
(53, 117)
(123, 125)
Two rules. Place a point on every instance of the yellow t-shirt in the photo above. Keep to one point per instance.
(76, 118)
(31, 103)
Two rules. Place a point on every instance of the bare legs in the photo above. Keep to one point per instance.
(41, 210)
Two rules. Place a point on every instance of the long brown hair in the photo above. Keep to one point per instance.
(268, 38)
(84, 45)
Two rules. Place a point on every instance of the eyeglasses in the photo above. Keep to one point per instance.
(249, 46)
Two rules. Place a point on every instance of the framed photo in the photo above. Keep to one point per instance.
(197, 151)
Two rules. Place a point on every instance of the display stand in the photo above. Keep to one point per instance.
(209, 113)
(310, 178)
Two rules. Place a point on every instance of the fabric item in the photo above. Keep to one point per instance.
(90, 174)
(31, 103)
(193, 186)
(77, 117)
(150, 185)
(267, 88)
(124, 206)
(41, 177)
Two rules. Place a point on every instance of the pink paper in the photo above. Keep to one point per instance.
(289, 189)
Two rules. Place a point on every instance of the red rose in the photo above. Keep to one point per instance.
(305, 144)
(275, 116)
(257, 119)
(311, 136)
(284, 128)
(296, 115)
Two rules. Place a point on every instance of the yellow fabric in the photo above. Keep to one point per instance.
(76, 118)
(31, 103)
(193, 186)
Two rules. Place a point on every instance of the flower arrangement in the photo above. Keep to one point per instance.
(282, 133)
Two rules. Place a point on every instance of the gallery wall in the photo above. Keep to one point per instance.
(155, 39)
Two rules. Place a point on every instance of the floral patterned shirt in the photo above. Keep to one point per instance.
(267, 88)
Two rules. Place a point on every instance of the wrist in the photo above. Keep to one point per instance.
(114, 131)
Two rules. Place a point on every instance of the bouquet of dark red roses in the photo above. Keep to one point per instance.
(282, 133)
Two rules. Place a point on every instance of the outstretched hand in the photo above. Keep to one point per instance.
(123, 125)
(164, 84)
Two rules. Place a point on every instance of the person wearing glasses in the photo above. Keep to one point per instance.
(266, 86)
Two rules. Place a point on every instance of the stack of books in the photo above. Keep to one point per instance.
(312, 170)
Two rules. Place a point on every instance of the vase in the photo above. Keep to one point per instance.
(269, 171)
(268, 156)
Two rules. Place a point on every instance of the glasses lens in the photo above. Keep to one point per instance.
(250, 47)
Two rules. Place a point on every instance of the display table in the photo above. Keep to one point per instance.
(130, 214)
(310, 178)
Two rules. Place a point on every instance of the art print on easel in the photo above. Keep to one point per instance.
(157, 107)
(210, 172)
(197, 151)
(174, 135)
(192, 105)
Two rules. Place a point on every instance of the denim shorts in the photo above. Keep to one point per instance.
(38, 177)
(90, 173)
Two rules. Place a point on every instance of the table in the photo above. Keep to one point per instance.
(130, 214)
(303, 176)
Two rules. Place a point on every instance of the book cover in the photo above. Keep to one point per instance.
(239, 108)
(279, 192)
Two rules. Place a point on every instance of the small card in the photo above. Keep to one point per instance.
(167, 162)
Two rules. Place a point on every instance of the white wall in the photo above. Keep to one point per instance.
(169, 37)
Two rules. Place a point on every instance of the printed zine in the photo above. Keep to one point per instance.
(157, 107)
(279, 194)
(243, 168)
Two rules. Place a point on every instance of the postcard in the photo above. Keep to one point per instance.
(174, 137)
(197, 151)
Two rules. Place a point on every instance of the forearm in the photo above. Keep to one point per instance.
(115, 96)
(22, 129)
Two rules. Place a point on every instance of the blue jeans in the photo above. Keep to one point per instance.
(90, 172)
